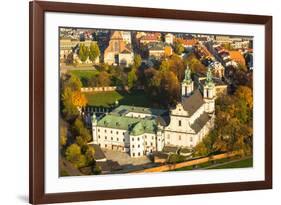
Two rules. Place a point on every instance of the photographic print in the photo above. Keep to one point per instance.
(130, 102)
(143, 101)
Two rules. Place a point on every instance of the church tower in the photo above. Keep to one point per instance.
(209, 93)
(187, 84)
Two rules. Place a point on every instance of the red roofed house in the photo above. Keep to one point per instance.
(237, 57)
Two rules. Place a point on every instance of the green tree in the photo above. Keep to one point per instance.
(179, 49)
(72, 82)
(63, 134)
(94, 52)
(83, 52)
(73, 155)
(89, 154)
(137, 60)
(80, 130)
(132, 78)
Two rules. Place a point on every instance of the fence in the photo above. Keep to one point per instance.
(169, 167)
(102, 89)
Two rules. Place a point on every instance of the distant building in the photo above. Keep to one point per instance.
(67, 46)
(189, 43)
(159, 50)
(169, 38)
(117, 52)
(150, 38)
(126, 35)
(237, 57)
(71, 47)
(140, 131)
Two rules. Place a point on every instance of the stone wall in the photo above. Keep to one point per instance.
(169, 167)
(102, 89)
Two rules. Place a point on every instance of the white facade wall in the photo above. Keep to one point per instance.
(111, 138)
(137, 146)
(126, 59)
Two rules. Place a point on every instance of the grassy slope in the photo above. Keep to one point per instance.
(239, 164)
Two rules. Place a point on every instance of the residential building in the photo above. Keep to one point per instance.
(237, 57)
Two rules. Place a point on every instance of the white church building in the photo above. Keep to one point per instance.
(140, 131)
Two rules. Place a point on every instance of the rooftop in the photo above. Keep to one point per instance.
(136, 126)
(193, 102)
(200, 122)
(124, 109)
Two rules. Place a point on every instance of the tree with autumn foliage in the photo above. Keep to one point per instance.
(103, 79)
(78, 99)
(233, 129)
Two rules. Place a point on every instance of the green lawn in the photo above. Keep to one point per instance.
(84, 73)
(238, 164)
(105, 99)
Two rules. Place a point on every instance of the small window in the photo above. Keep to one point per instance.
(105, 145)
(145, 136)
(111, 131)
(138, 139)
(105, 130)
(191, 139)
(123, 133)
(98, 130)
(117, 139)
(180, 123)
(111, 138)
(123, 140)
(132, 139)
(139, 153)
(133, 146)
(133, 154)
(105, 137)
(179, 137)
(138, 146)
(151, 143)
(117, 132)
(99, 136)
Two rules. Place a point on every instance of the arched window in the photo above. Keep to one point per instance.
(179, 123)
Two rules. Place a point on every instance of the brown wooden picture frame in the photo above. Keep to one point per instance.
(37, 10)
